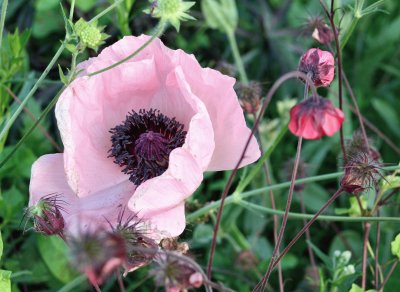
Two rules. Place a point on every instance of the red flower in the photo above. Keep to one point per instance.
(319, 65)
(314, 118)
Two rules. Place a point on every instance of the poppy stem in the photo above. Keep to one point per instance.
(271, 92)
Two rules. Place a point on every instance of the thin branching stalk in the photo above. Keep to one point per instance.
(32, 117)
(308, 235)
(120, 282)
(285, 218)
(238, 198)
(11, 121)
(377, 244)
(357, 109)
(331, 16)
(389, 274)
(274, 88)
(374, 129)
(309, 223)
(273, 205)
(367, 229)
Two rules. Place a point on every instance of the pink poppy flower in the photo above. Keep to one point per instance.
(315, 117)
(141, 135)
(319, 65)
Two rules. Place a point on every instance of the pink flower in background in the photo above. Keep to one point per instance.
(319, 65)
(315, 117)
(141, 135)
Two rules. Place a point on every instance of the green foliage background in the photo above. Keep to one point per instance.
(271, 40)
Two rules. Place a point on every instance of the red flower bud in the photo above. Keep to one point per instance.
(319, 65)
(315, 117)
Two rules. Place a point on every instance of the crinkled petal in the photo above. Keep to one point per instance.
(230, 130)
(48, 177)
(170, 223)
(162, 193)
(88, 109)
(332, 122)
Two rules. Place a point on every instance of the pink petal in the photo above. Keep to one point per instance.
(48, 177)
(164, 192)
(230, 130)
(170, 223)
(88, 109)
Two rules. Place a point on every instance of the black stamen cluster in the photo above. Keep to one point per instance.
(143, 142)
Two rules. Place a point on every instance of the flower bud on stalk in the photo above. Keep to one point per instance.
(360, 173)
(319, 65)
(46, 215)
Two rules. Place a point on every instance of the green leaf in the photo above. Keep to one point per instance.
(220, 14)
(54, 253)
(5, 282)
(203, 234)
(396, 246)
(388, 114)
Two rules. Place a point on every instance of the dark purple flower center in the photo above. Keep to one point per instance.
(142, 143)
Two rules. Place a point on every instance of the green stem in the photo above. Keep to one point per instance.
(11, 121)
(349, 32)
(2, 21)
(71, 11)
(105, 11)
(237, 57)
(237, 197)
(302, 216)
(157, 33)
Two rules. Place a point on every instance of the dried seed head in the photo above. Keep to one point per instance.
(357, 144)
(321, 32)
(97, 254)
(360, 172)
(175, 274)
(250, 96)
(140, 248)
(46, 215)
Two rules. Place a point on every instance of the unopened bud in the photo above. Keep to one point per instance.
(46, 215)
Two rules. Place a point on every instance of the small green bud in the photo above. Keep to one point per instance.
(90, 35)
(172, 11)
(396, 246)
